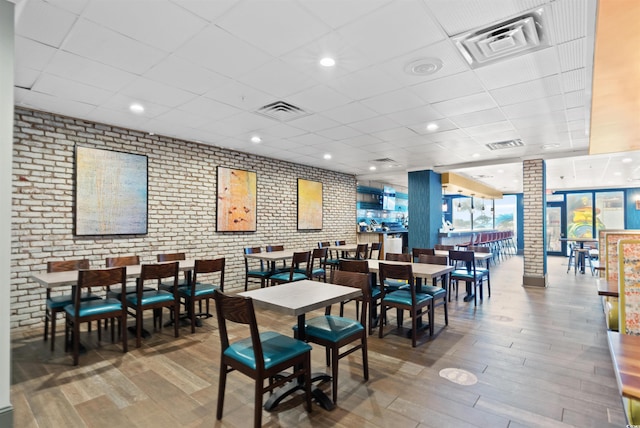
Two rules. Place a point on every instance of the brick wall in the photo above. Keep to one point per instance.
(182, 204)
(535, 272)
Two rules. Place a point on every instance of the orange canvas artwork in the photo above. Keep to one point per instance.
(237, 200)
(309, 204)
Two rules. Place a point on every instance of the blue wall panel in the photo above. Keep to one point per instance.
(425, 209)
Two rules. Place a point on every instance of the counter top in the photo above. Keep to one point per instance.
(388, 232)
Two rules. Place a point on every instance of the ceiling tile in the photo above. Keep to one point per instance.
(478, 117)
(119, 104)
(526, 91)
(25, 78)
(572, 54)
(450, 87)
(338, 13)
(210, 108)
(240, 96)
(208, 10)
(313, 123)
(574, 80)
(365, 84)
(254, 22)
(30, 54)
(464, 105)
(394, 101)
(277, 79)
(339, 133)
(534, 107)
(375, 124)
(319, 98)
(416, 116)
(70, 90)
(350, 113)
(395, 135)
(143, 89)
(520, 69)
(45, 102)
(50, 31)
(184, 74)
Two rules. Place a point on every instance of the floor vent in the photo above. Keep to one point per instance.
(505, 145)
(525, 33)
(282, 111)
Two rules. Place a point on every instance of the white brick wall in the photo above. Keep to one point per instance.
(533, 200)
(182, 204)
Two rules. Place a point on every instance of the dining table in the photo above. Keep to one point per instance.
(297, 299)
(625, 354)
(580, 241)
(608, 288)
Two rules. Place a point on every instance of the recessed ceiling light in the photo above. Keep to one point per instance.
(327, 156)
(500, 171)
(327, 62)
(136, 108)
(372, 168)
(627, 160)
(550, 146)
(432, 127)
(475, 155)
(255, 139)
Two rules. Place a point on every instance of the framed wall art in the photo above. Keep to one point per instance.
(237, 200)
(309, 205)
(111, 192)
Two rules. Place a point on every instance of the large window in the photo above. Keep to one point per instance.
(609, 210)
(580, 215)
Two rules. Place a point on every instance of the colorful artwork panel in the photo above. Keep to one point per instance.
(237, 200)
(309, 205)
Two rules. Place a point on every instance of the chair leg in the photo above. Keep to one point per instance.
(365, 358)
(446, 310)
(138, 327)
(414, 328)
(307, 381)
(54, 315)
(47, 315)
(76, 342)
(432, 317)
(257, 404)
(334, 373)
(176, 319)
(222, 380)
(123, 328)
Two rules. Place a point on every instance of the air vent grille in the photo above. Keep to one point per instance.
(384, 160)
(505, 145)
(525, 33)
(282, 111)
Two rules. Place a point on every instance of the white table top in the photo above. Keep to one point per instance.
(273, 256)
(476, 255)
(59, 279)
(299, 297)
(421, 270)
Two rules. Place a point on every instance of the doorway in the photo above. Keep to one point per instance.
(556, 224)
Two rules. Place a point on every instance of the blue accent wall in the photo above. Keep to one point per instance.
(425, 208)
(520, 208)
(632, 216)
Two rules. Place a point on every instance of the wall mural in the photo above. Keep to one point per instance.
(309, 205)
(111, 192)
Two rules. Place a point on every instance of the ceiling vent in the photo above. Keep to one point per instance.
(523, 34)
(384, 160)
(505, 145)
(282, 111)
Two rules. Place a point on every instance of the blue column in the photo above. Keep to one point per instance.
(425, 208)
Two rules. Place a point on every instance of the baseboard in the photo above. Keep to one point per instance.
(6, 417)
(535, 281)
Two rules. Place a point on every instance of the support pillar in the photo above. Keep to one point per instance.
(534, 200)
(425, 208)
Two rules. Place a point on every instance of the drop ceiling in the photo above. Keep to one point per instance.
(203, 70)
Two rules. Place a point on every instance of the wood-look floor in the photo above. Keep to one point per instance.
(540, 357)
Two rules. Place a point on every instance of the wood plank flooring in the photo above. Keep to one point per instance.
(540, 357)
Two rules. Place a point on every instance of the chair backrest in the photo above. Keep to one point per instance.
(416, 252)
(465, 257)
(375, 246)
(208, 267)
(272, 248)
(301, 258)
(100, 278)
(158, 271)
(239, 310)
(67, 265)
(252, 250)
(401, 272)
(362, 251)
(356, 280)
(360, 266)
(324, 244)
(319, 254)
(171, 257)
(444, 247)
(338, 243)
(433, 259)
(398, 257)
(122, 261)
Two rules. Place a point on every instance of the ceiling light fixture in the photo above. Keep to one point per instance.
(136, 108)
(475, 155)
(327, 62)
(327, 156)
(423, 66)
(432, 127)
(255, 139)
(627, 160)
(372, 168)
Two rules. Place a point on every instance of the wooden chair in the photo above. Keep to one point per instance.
(335, 332)
(375, 247)
(173, 257)
(416, 252)
(362, 266)
(255, 272)
(444, 247)
(319, 254)
(155, 299)
(260, 356)
(332, 259)
(465, 270)
(394, 284)
(438, 294)
(119, 262)
(362, 252)
(274, 268)
(86, 311)
(296, 272)
(197, 291)
(56, 304)
(404, 299)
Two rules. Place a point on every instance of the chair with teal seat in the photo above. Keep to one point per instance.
(464, 263)
(120, 261)
(208, 275)
(87, 311)
(392, 284)
(332, 259)
(319, 255)
(260, 356)
(361, 253)
(335, 332)
(299, 269)
(156, 300)
(405, 299)
(375, 247)
(362, 266)
(256, 271)
(416, 252)
(56, 304)
(173, 257)
(274, 267)
(438, 294)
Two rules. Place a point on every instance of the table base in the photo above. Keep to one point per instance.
(321, 398)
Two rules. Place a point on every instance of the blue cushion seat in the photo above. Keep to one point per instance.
(404, 297)
(259, 273)
(115, 294)
(276, 348)
(59, 302)
(167, 286)
(435, 292)
(151, 297)
(318, 272)
(284, 276)
(395, 284)
(94, 307)
(201, 289)
(331, 328)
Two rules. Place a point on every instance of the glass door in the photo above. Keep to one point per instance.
(556, 225)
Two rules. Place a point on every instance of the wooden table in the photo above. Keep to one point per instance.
(608, 288)
(425, 271)
(625, 354)
(296, 299)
